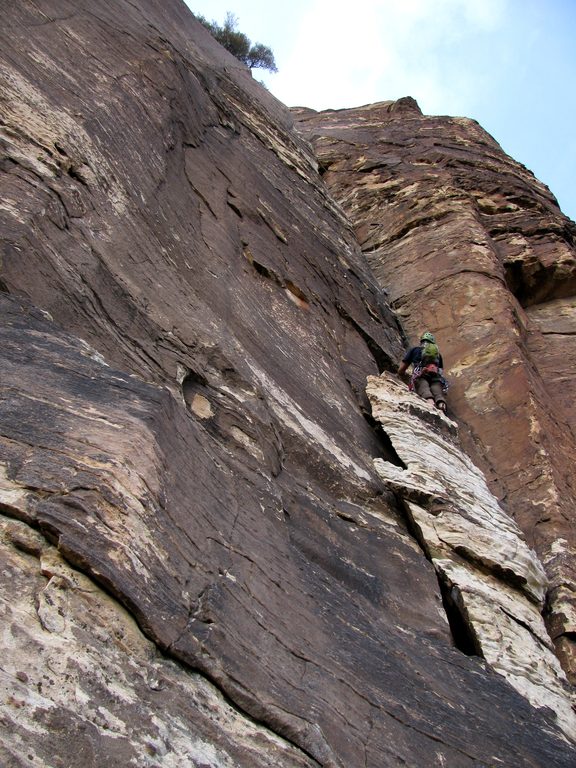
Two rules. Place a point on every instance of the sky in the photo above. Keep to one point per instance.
(509, 64)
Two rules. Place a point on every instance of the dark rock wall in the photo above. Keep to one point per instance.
(187, 327)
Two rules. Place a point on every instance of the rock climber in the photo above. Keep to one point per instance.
(427, 376)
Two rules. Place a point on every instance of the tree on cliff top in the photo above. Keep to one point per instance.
(238, 43)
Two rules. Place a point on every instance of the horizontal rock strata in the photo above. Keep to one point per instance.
(471, 246)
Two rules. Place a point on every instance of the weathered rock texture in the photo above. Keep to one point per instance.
(491, 578)
(82, 686)
(472, 247)
(186, 441)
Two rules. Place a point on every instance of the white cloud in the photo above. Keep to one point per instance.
(383, 50)
(507, 63)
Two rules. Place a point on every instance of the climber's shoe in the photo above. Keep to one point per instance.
(441, 405)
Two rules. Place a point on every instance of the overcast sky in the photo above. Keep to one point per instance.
(509, 64)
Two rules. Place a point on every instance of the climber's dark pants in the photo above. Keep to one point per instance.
(429, 388)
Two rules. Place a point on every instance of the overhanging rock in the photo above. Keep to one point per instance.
(489, 573)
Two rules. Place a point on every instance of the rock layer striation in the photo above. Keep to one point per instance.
(210, 569)
(494, 584)
(471, 246)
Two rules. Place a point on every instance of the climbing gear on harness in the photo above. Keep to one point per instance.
(429, 364)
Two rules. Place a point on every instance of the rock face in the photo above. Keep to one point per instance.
(83, 686)
(203, 566)
(471, 246)
(492, 581)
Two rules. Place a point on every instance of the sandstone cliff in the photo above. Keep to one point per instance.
(469, 244)
(213, 555)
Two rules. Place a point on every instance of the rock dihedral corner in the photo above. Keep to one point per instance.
(471, 246)
(494, 580)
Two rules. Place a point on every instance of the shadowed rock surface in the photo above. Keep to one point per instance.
(471, 246)
(186, 441)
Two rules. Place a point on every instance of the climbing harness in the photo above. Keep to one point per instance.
(424, 368)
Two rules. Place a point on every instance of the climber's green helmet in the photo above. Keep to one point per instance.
(427, 336)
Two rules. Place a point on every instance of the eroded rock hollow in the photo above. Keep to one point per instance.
(218, 548)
